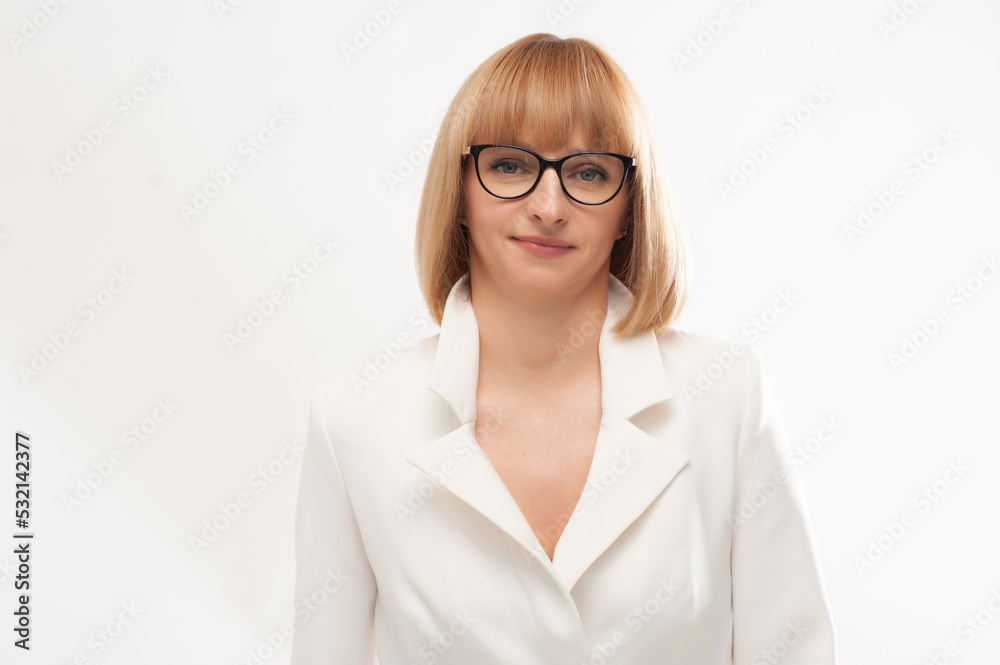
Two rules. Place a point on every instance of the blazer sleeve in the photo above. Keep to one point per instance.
(780, 606)
(334, 584)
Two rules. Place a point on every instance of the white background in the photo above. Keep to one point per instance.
(323, 175)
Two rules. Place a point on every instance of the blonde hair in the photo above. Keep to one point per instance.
(535, 85)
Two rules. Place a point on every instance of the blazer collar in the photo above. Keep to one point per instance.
(632, 373)
(633, 378)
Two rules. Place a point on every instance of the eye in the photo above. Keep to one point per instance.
(509, 168)
(590, 174)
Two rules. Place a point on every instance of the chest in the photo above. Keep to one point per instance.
(544, 459)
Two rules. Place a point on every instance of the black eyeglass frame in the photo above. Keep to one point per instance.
(557, 164)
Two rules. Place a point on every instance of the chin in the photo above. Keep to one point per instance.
(543, 279)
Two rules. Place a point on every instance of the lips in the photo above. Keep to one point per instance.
(547, 242)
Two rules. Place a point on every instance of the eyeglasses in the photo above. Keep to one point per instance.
(509, 172)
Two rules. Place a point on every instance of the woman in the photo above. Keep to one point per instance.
(557, 476)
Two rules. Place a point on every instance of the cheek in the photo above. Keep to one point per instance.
(465, 191)
(472, 202)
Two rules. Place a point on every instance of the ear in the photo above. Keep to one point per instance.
(624, 228)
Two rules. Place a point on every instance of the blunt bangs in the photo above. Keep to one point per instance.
(535, 89)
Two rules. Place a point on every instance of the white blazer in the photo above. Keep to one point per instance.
(690, 544)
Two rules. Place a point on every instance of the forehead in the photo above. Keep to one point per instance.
(576, 142)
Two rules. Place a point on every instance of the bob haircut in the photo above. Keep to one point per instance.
(536, 85)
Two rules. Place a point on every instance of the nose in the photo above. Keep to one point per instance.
(547, 200)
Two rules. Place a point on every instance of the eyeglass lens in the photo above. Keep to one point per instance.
(589, 177)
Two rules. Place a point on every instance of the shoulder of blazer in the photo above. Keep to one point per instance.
(353, 394)
(701, 365)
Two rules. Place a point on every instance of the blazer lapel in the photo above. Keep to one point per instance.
(457, 462)
(629, 470)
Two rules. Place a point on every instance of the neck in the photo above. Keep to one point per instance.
(540, 340)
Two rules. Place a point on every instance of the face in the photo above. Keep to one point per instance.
(500, 231)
